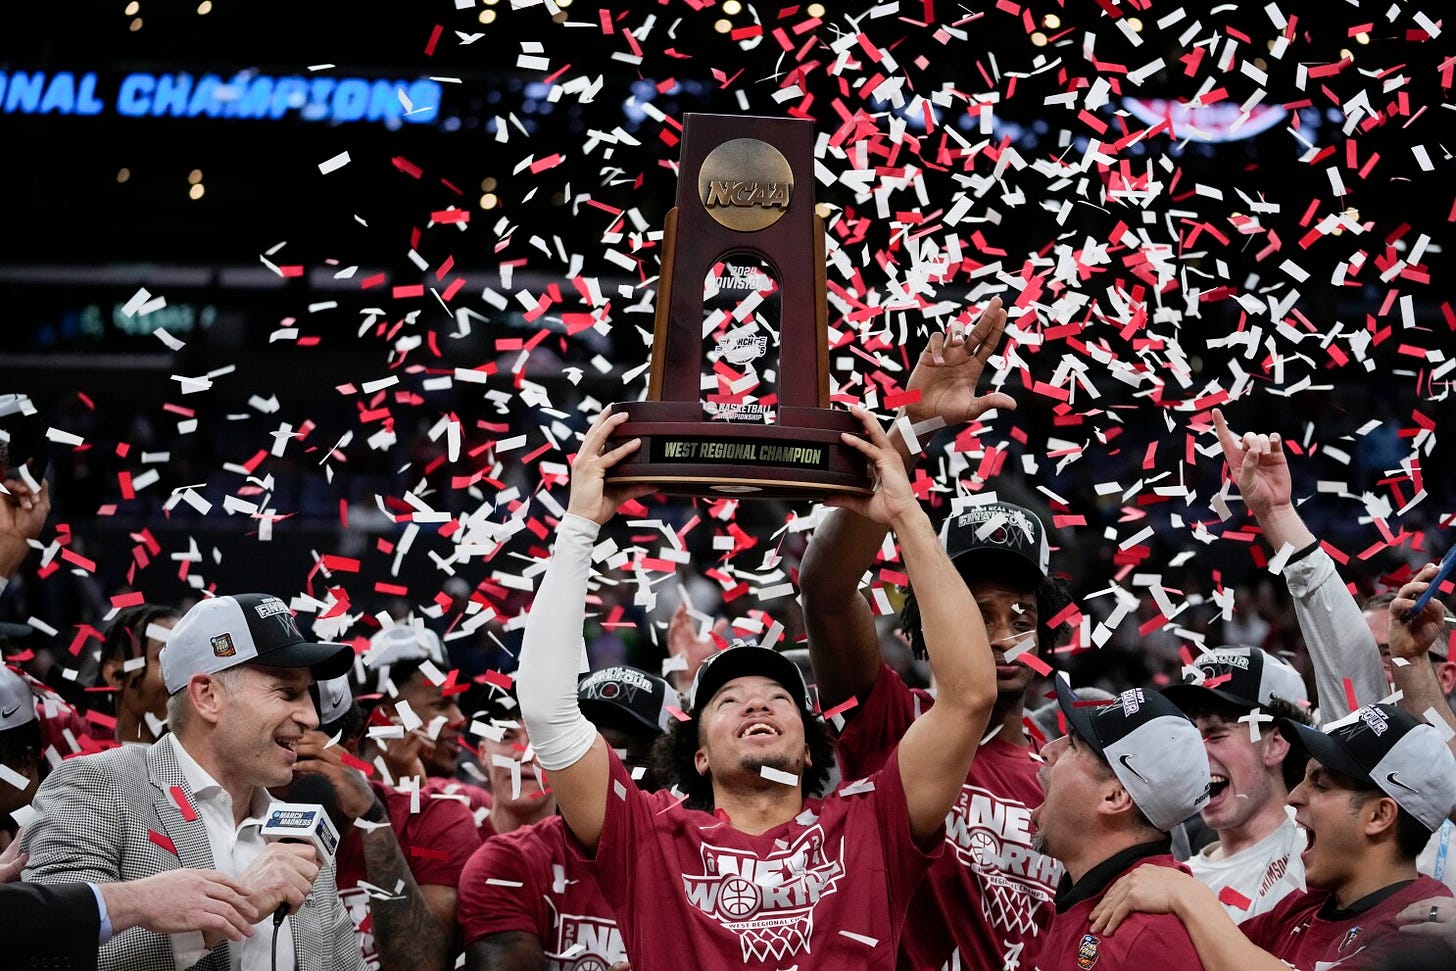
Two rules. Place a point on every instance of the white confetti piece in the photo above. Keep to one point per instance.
(778, 775)
(334, 164)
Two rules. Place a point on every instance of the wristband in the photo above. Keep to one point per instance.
(1298, 555)
(377, 813)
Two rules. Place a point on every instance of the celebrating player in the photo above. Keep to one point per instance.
(1126, 773)
(770, 877)
(1376, 786)
(1235, 696)
(985, 901)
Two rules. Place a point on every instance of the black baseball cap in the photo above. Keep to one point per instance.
(1384, 746)
(627, 699)
(746, 660)
(257, 628)
(998, 537)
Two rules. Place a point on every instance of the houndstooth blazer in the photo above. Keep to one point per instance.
(111, 817)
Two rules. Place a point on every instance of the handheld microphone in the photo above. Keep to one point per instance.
(300, 822)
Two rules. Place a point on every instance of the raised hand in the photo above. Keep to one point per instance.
(893, 498)
(950, 367)
(1258, 467)
(591, 496)
(1412, 639)
(22, 515)
(683, 641)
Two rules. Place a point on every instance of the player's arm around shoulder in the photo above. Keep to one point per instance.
(937, 749)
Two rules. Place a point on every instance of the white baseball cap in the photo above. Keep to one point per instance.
(1390, 748)
(404, 642)
(17, 701)
(255, 628)
(1154, 750)
(1245, 677)
(333, 698)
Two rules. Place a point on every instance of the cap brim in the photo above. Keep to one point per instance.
(1186, 695)
(1323, 749)
(1013, 565)
(1078, 715)
(324, 660)
(741, 662)
(15, 632)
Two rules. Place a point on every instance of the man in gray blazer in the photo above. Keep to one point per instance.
(237, 671)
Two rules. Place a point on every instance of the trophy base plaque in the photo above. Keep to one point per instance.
(803, 457)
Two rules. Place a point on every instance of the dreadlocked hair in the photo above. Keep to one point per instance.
(673, 756)
(126, 638)
(1053, 594)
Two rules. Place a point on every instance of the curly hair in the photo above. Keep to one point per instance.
(1053, 593)
(674, 760)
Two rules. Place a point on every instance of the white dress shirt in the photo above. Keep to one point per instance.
(234, 848)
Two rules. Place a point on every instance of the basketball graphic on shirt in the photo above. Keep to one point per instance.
(737, 898)
(985, 848)
(991, 837)
(768, 901)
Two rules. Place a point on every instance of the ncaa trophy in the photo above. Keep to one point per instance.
(738, 401)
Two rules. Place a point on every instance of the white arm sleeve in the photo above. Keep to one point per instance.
(1340, 643)
(552, 647)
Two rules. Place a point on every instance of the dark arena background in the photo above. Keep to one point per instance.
(315, 298)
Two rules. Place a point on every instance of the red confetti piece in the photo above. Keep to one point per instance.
(1232, 898)
(162, 841)
(184, 805)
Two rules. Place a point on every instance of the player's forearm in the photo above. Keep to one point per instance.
(551, 650)
(1219, 943)
(1341, 647)
(844, 546)
(955, 637)
(406, 932)
(1420, 692)
(1282, 525)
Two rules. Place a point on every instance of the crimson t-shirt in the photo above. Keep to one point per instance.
(436, 843)
(828, 889)
(1304, 929)
(527, 881)
(1142, 940)
(479, 801)
(986, 901)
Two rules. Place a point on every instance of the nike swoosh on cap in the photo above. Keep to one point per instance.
(1126, 765)
(1391, 777)
(9, 711)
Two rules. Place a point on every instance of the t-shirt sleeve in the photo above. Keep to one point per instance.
(501, 891)
(876, 726)
(905, 860)
(626, 827)
(438, 840)
(1167, 942)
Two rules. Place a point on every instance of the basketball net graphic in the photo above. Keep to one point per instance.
(1007, 907)
(767, 902)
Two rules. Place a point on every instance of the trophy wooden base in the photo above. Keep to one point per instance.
(682, 453)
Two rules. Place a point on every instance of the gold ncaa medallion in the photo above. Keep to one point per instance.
(745, 184)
